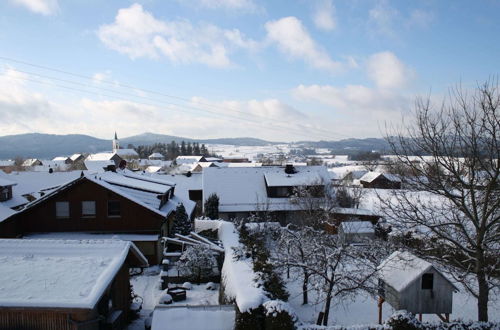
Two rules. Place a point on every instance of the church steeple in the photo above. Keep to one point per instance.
(116, 144)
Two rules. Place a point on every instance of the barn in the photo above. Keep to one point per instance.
(413, 284)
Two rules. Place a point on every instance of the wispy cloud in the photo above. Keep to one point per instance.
(324, 15)
(44, 7)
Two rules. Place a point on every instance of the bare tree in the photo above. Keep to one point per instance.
(452, 204)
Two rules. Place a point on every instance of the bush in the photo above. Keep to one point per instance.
(403, 320)
(212, 207)
(197, 263)
(279, 315)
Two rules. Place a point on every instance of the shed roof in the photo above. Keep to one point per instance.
(401, 268)
(60, 273)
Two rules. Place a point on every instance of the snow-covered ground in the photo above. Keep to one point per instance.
(147, 285)
(363, 308)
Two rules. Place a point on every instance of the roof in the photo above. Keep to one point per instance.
(6, 182)
(156, 155)
(304, 177)
(98, 165)
(61, 158)
(60, 273)
(400, 269)
(75, 156)
(5, 212)
(219, 317)
(126, 152)
(243, 189)
(101, 156)
(370, 176)
(93, 236)
(30, 162)
(188, 159)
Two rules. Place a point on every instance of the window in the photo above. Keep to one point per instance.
(428, 281)
(88, 209)
(114, 209)
(62, 209)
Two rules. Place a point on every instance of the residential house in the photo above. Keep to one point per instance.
(105, 203)
(63, 159)
(31, 162)
(380, 181)
(66, 284)
(189, 159)
(156, 156)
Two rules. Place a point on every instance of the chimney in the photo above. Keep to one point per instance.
(289, 169)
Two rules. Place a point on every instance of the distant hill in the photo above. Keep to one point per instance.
(47, 146)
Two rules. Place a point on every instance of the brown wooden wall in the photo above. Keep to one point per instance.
(44, 319)
(134, 218)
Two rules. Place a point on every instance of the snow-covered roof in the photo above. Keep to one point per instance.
(153, 169)
(357, 227)
(218, 317)
(92, 236)
(126, 152)
(401, 268)
(5, 212)
(304, 176)
(188, 159)
(59, 273)
(7, 162)
(243, 189)
(101, 156)
(98, 165)
(370, 176)
(156, 155)
(6, 182)
(74, 157)
(61, 158)
(30, 162)
(353, 211)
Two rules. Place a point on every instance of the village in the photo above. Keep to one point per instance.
(212, 243)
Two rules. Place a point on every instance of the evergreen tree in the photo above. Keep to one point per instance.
(196, 149)
(212, 206)
(204, 150)
(183, 148)
(181, 225)
(189, 149)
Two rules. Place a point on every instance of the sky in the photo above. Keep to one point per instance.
(281, 70)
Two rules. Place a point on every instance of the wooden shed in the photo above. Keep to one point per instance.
(413, 284)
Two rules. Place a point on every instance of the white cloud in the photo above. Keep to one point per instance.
(137, 33)
(44, 7)
(294, 40)
(387, 71)
(420, 18)
(324, 16)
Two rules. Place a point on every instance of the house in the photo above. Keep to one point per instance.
(63, 160)
(65, 284)
(105, 203)
(32, 162)
(6, 189)
(156, 156)
(77, 158)
(413, 284)
(235, 159)
(380, 181)
(7, 164)
(189, 159)
(104, 156)
(244, 191)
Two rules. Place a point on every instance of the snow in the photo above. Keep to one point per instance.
(92, 236)
(69, 273)
(6, 182)
(238, 275)
(305, 176)
(194, 318)
(100, 156)
(5, 212)
(126, 153)
(402, 268)
(188, 159)
(135, 182)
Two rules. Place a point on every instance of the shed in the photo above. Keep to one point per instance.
(356, 231)
(413, 284)
(380, 181)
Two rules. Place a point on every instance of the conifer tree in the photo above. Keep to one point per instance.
(181, 224)
(212, 206)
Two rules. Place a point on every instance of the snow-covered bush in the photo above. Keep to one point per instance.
(279, 315)
(165, 298)
(187, 286)
(182, 224)
(403, 320)
(197, 263)
(211, 286)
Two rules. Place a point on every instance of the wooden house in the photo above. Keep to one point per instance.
(380, 181)
(413, 284)
(61, 284)
(107, 203)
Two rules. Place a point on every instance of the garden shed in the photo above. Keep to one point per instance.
(413, 284)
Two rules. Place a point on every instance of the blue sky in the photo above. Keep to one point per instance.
(278, 70)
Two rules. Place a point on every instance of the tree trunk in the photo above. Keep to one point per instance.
(305, 288)
(327, 303)
(482, 300)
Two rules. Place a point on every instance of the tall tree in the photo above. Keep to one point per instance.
(452, 201)
(189, 149)
(182, 224)
(183, 148)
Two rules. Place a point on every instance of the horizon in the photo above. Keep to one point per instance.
(280, 71)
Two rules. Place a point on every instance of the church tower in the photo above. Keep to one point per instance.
(116, 144)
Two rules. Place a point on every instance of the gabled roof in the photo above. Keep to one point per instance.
(6, 182)
(304, 176)
(400, 269)
(75, 156)
(189, 159)
(101, 156)
(60, 273)
(370, 176)
(126, 152)
(156, 155)
(61, 158)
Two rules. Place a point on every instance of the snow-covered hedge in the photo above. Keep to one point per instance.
(238, 277)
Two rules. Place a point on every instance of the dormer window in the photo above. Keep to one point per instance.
(428, 281)
(5, 193)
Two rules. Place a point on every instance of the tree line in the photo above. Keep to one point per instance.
(173, 149)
